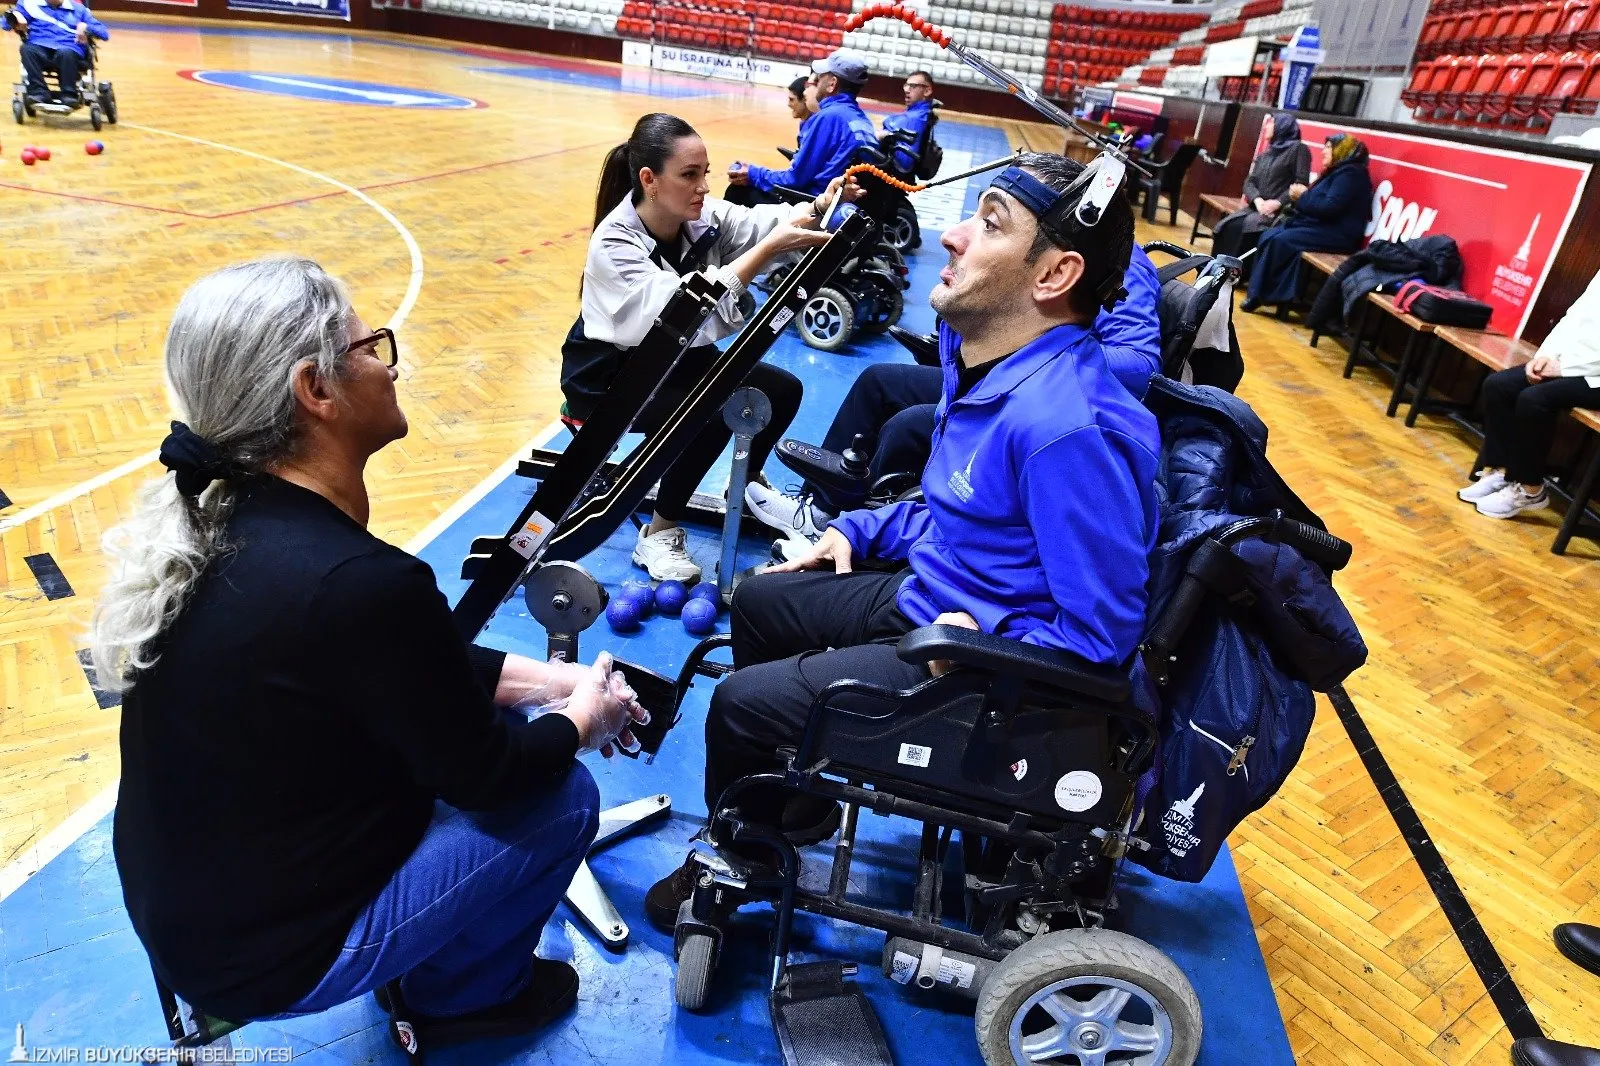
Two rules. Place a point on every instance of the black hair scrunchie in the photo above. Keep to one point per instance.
(196, 461)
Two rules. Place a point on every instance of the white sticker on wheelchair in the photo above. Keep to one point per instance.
(1077, 791)
(534, 532)
(1019, 769)
(955, 972)
(915, 755)
(903, 967)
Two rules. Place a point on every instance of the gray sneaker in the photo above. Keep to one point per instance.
(1512, 500)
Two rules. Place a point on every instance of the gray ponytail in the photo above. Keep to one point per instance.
(236, 340)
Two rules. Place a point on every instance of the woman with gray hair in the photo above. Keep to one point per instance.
(320, 796)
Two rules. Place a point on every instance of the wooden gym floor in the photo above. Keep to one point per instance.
(466, 230)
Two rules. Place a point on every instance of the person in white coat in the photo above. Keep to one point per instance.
(1522, 405)
(655, 225)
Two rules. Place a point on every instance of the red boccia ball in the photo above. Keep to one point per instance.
(94, 148)
(28, 157)
(42, 153)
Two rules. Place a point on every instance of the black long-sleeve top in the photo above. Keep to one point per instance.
(282, 758)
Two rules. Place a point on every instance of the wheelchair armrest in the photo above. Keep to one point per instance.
(1002, 655)
(787, 153)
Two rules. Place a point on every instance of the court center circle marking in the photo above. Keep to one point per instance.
(396, 320)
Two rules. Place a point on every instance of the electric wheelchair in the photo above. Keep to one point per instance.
(1190, 313)
(867, 294)
(98, 96)
(1022, 765)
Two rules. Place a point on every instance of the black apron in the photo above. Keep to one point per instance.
(589, 366)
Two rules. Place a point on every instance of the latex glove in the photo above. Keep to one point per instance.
(833, 547)
(940, 667)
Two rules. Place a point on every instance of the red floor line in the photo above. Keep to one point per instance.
(103, 200)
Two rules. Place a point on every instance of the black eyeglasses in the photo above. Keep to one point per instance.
(382, 345)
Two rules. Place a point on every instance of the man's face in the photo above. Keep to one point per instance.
(811, 94)
(827, 85)
(989, 276)
(917, 89)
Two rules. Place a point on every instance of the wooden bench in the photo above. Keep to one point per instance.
(1373, 311)
(1326, 263)
(1493, 350)
(1222, 205)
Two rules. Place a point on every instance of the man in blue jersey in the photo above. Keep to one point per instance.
(1040, 499)
(918, 92)
(57, 36)
(828, 139)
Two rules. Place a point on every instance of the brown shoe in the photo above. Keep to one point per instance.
(666, 896)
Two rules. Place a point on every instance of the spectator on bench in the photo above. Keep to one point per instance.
(1330, 215)
(1282, 164)
(1522, 404)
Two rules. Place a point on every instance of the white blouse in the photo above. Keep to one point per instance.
(624, 289)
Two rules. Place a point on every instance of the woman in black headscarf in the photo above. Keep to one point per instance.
(1328, 216)
(1286, 161)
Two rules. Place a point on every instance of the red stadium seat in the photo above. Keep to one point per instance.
(1462, 75)
(1576, 15)
(1571, 71)
(1541, 76)
(1522, 25)
(1544, 24)
(1410, 95)
(1587, 99)
(1476, 37)
(1486, 77)
(1514, 76)
(1499, 35)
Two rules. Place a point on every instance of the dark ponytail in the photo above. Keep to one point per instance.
(650, 145)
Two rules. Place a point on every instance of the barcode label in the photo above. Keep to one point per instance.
(915, 755)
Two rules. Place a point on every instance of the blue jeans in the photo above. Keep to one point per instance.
(459, 921)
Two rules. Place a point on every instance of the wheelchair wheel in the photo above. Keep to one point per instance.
(1081, 995)
(697, 961)
(888, 303)
(16, 111)
(94, 116)
(828, 319)
(108, 102)
(901, 230)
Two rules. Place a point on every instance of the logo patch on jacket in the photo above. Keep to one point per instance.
(961, 481)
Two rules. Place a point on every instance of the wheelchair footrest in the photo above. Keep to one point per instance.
(824, 1020)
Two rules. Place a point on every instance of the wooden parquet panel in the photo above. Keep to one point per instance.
(1483, 687)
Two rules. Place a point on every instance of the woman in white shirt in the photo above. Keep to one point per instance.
(1522, 404)
(652, 220)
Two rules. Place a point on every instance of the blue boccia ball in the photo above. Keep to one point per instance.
(699, 616)
(642, 594)
(671, 596)
(708, 592)
(623, 613)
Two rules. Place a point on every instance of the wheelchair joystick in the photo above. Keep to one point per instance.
(854, 461)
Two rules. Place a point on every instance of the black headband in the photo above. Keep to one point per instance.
(194, 460)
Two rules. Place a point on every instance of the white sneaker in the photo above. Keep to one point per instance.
(792, 514)
(666, 556)
(1512, 500)
(1486, 485)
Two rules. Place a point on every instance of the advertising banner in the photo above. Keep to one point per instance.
(1507, 211)
(1230, 59)
(329, 9)
(682, 60)
(1300, 61)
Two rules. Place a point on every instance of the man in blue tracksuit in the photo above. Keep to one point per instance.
(895, 406)
(918, 92)
(58, 34)
(1040, 509)
(828, 139)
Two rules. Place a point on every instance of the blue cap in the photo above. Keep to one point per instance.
(847, 67)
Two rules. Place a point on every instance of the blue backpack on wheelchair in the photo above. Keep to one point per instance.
(1245, 630)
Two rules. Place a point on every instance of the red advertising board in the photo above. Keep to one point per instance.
(1508, 211)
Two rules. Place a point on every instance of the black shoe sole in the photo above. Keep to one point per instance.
(439, 1032)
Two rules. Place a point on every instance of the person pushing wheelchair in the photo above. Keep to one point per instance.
(1040, 509)
(55, 38)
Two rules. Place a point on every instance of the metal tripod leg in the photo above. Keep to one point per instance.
(585, 895)
(747, 413)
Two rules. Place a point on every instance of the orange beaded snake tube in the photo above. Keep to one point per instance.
(971, 58)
